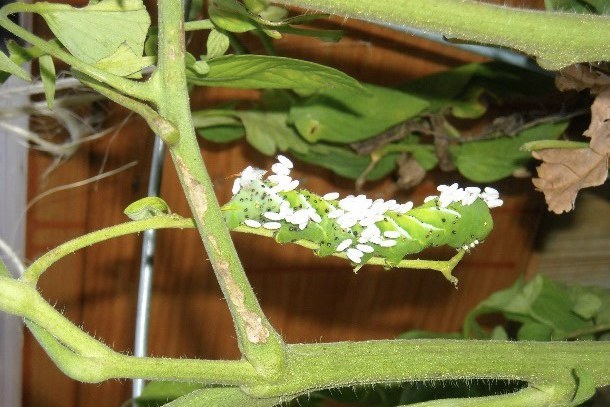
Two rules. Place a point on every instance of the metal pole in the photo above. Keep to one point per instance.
(146, 265)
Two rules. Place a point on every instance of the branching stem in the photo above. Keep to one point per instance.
(555, 39)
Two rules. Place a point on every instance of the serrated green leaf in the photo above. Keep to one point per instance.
(231, 16)
(7, 65)
(125, 63)
(587, 305)
(342, 116)
(47, 74)
(268, 72)
(96, 31)
(491, 160)
(159, 393)
(217, 44)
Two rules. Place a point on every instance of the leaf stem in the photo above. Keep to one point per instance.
(33, 273)
(555, 39)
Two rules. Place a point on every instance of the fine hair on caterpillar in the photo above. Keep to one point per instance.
(357, 226)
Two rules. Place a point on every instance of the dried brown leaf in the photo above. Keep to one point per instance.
(582, 76)
(564, 172)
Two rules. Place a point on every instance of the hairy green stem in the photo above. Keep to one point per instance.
(555, 39)
(259, 342)
(94, 369)
(33, 273)
(222, 397)
(139, 90)
(543, 364)
(547, 366)
(530, 397)
(20, 298)
(164, 129)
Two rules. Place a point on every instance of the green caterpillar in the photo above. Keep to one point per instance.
(356, 225)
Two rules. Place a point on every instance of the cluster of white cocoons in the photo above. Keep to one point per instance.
(466, 196)
(349, 211)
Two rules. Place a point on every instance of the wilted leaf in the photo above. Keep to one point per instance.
(564, 172)
(582, 76)
(410, 172)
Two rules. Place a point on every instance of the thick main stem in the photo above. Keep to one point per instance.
(555, 39)
(258, 341)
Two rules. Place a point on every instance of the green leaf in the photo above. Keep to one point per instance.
(7, 65)
(256, 6)
(146, 208)
(543, 307)
(47, 74)
(587, 306)
(578, 6)
(217, 45)
(97, 31)
(342, 116)
(491, 160)
(459, 89)
(159, 393)
(269, 132)
(416, 334)
(231, 15)
(222, 133)
(268, 72)
(533, 331)
(323, 35)
(585, 388)
(125, 63)
(346, 163)
(441, 89)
